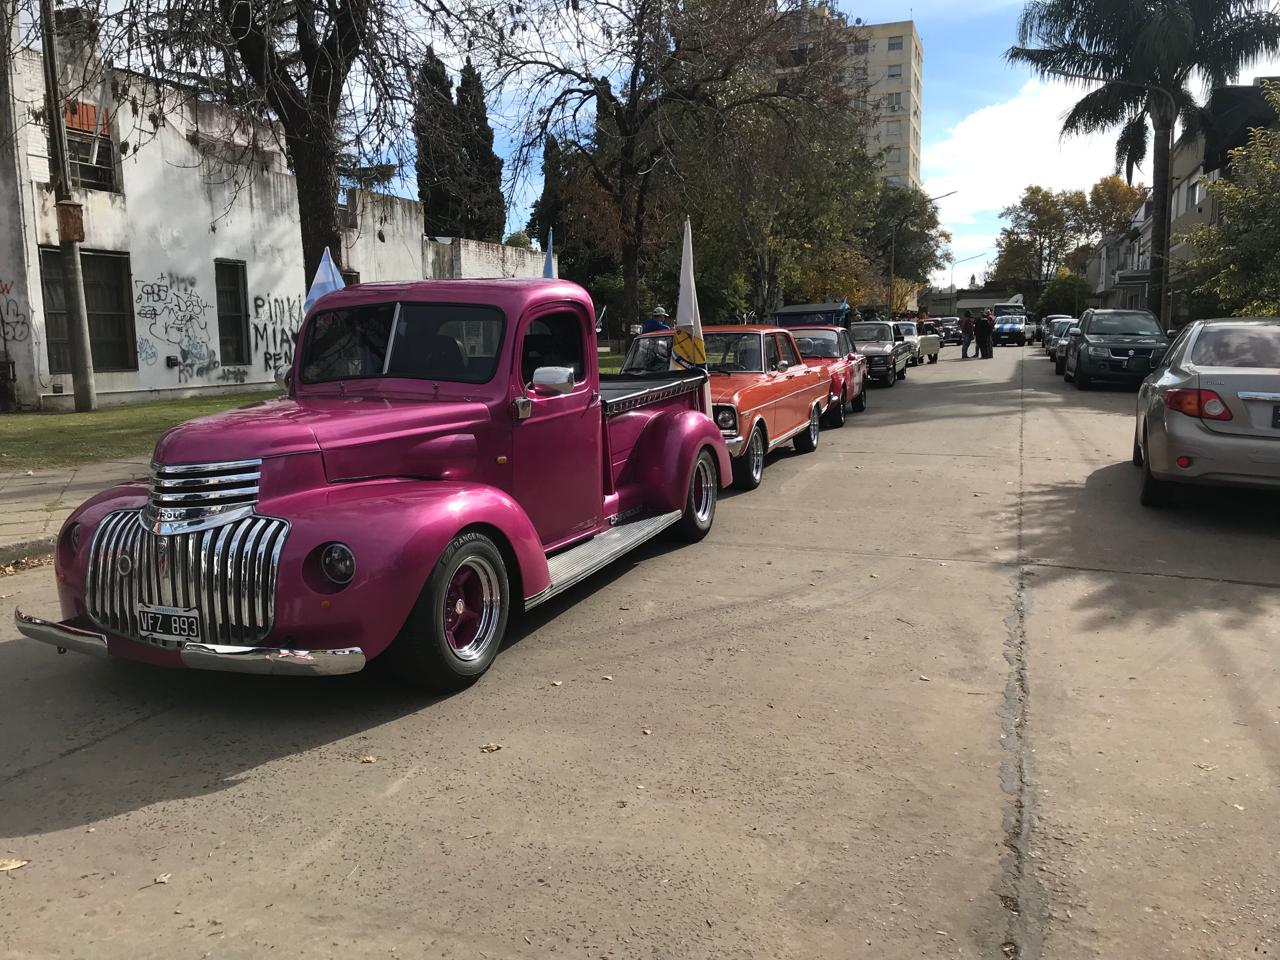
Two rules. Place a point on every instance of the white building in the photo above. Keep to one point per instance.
(192, 257)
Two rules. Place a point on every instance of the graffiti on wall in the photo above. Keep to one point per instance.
(147, 353)
(275, 323)
(233, 374)
(15, 327)
(176, 315)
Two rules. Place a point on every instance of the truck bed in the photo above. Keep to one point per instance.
(624, 391)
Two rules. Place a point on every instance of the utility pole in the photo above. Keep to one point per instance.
(70, 222)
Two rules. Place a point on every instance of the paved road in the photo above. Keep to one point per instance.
(940, 690)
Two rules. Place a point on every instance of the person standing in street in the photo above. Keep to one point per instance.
(985, 331)
(966, 335)
(657, 322)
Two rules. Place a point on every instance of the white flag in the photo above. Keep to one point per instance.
(688, 349)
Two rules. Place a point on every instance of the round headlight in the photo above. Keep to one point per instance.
(726, 419)
(338, 563)
(74, 536)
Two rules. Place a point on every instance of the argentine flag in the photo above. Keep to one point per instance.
(327, 280)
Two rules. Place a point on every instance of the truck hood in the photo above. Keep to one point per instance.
(1149, 340)
(358, 437)
(880, 349)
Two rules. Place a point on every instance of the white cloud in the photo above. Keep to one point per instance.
(994, 153)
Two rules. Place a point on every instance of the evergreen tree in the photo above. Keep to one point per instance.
(484, 211)
(547, 209)
(441, 162)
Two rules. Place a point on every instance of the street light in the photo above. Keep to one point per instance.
(893, 244)
(1162, 241)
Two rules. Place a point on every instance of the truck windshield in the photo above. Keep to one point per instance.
(1009, 310)
(417, 341)
(648, 355)
(820, 344)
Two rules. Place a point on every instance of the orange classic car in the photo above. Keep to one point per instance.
(762, 391)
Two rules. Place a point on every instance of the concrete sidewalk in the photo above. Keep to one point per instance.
(34, 503)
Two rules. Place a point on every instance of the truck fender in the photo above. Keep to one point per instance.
(397, 530)
(666, 452)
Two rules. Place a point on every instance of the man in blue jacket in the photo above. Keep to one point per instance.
(657, 322)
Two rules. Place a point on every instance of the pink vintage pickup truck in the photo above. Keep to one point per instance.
(448, 454)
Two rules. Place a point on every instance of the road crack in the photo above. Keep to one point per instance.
(1020, 893)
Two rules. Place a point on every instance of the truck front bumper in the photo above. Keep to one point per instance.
(735, 443)
(203, 656)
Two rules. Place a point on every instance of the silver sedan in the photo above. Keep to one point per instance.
(1210, 413)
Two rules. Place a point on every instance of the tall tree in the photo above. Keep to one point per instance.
(484, 210)
(544, 217)
(907, 240)
(1145, 54)
(1043, 228)
(1112, 204)
(612, 80)
(440, 161)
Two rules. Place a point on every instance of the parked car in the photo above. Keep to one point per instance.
(1210, 411)
(831, 349)
(763, 394)
(1055, 342)
(951, 330)
(886, 350)
(1046, 324)
(924, 346)
(1120, 346)
(447, 454)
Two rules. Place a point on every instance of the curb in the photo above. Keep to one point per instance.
(24, 549)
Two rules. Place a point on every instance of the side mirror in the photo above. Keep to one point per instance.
(553, 381)
(782, 366)
(899, 338)
(1073, 332)
(282, 377)
(1171, 333)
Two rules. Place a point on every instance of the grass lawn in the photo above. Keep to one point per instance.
(35, 441)
(611, 362)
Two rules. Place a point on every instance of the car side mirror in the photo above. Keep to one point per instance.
(782, 366)
(282, 377)
(899, 338)
(1073, 332)
(1171, 333)
(553, 381)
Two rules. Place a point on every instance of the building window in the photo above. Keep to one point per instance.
(233, 311)
(895, 71)
(895, 155)
(89, 148)
(350, 277)
(893, 101)
(108, 300)
(860, 47)
(895, 43)
(893, 130)
(893, 181)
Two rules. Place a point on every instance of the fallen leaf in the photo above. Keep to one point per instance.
(646, 732)
(1238, 807)
(164, 878)
(556, 683)
(491, 748)
(7, 865)
(607, 677)
(875, 576)
(925, 679)
(368, 759)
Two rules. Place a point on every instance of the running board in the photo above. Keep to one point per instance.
(577, 563)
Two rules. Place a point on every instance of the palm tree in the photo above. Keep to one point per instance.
(1145, 54)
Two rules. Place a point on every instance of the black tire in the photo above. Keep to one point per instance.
(700, 502)
(933, 358)
(1067, 375)
(859, 403)
(1137, 453)
(1081, 378)
(892, 377)
(1022, 341)
(834, 419)
(807, 440)
(903, 374)
(423, 653)
(1155, 493)
(748, 469)
(1059, 366)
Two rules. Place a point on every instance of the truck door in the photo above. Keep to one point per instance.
(556, 449)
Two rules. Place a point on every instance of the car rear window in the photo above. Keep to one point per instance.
(1238, 346)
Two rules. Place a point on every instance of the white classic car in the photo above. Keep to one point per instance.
(924, 346)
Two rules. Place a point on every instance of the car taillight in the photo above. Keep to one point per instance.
(1205, 404)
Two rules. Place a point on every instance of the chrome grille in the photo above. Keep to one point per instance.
(227, 574)
(197, 496)
(1124, 353)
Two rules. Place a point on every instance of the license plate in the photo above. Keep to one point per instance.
(168, 623)
(1275, 416)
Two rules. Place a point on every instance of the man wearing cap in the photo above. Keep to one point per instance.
(657, 322)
